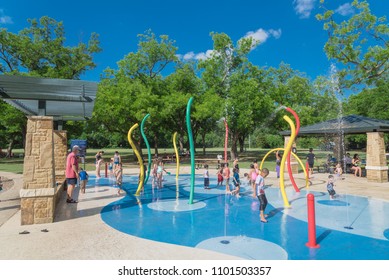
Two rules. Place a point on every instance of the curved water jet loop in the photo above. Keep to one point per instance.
(140, 160)
(148, 147)
(295, 156)
(284, 156)
(177, 154)
(297, 119)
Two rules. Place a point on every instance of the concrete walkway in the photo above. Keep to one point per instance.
(79, 232)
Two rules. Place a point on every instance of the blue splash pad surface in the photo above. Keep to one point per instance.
(164, 215)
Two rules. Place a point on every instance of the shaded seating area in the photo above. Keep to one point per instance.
(375, 166)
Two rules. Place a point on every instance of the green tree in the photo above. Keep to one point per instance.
(229, 74)
(12, 126)
(39, 50)
(359, 43)
(137, 88)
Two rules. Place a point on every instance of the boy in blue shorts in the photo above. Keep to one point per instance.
(83, 180)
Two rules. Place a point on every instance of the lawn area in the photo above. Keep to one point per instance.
(15, 164)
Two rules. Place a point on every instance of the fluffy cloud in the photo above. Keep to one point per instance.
(259, 35)
(345, 9)
(4, 19)
(304, 7)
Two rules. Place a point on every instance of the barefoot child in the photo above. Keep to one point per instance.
(330, 187)
(236, 182)
(119, 176)
(206, 177)
(260, 192)
(83, 180)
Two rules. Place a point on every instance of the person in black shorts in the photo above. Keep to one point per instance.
(311, 160)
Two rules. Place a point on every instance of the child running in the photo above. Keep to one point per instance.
(260, 192)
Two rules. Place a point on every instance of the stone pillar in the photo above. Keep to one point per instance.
(376, 166)
(60, 153)
(293, 162)
(39, 188)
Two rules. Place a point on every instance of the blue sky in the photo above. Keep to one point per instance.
(287, 29)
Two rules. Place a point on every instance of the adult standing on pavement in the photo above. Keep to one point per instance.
(72, 173)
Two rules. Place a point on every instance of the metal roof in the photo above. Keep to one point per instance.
(351, 124)
(59, 98)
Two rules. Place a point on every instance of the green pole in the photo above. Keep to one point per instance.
(192, 151)
(147, 145)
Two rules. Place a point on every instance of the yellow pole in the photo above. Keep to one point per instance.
(177, 154)
(295, 156)
(283, 160)
(140, 160)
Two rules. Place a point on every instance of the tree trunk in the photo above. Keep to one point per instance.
(155, 145)
(181, 142)
(234, 147)
(241, 144)
(9, 149)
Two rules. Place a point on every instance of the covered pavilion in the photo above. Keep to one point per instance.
(46, 103)
(376, 165)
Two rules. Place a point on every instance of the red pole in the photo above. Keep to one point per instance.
(311, 222)
(106, 170)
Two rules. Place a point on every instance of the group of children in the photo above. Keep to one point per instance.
(255, 177)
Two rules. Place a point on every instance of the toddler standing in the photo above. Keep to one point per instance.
(330, 187)
(206, 177)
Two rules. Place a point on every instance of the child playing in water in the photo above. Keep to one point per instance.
(220, 175)
(330, 187)
(236, 182)
(338, 171)
(206, 177)
(260, 192)
(252, 176)
(119, 176)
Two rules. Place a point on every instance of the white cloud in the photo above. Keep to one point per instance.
(259, 35)
(4, 19)
(304, 7)
(345, 9)
(275, 33)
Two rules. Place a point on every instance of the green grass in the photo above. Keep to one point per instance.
(15, 165)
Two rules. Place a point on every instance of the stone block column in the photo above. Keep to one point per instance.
(39, 186)
(293, 162)
(60, 153)
(376, 166)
